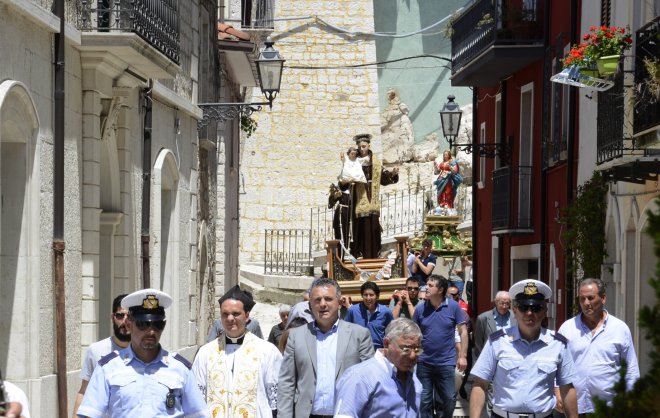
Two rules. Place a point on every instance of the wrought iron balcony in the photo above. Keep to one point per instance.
(492, 41)
(257, 14)
(635, 159)
(609, 123)
(647, 94)
(155, 21)
(512, 200)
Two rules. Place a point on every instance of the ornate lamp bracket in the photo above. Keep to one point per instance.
(222, 112)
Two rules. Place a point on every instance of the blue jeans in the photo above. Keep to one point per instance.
(440, 378)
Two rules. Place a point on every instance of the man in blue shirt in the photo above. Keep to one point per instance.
(424, 263)
(143, 380)
(439, 318)
(370, 314)
(525, 362)
(384, 386)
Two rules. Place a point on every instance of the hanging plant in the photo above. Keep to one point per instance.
(248, 125)
(600, 43)
(584, 222)
(652, 67)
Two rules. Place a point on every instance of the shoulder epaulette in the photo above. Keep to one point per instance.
(497, 334)
(183, 360)
(561, 338)
(106, 359)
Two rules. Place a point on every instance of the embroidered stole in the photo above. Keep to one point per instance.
(239, 398)
(364, 206)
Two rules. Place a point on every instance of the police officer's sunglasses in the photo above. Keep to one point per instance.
(144, 325)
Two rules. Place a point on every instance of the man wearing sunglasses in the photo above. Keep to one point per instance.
(143, 379)
(385, 385)
(404, 301)
(525, 362)
(102, 348)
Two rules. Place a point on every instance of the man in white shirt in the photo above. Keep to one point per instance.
(100, 349)
(238, 371)
(17, 403)
(598, 342)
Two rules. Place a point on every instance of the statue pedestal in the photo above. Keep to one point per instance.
(443, 232)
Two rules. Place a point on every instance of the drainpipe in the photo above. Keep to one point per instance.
(544, 181)
(475, 206)
(58, 213)
(572, 107)
(509, 162)
(146, 184)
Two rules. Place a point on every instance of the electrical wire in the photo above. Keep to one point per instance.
(330, 67)
(373, 34)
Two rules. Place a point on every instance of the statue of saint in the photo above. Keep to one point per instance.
(447, 182)
(357, 216)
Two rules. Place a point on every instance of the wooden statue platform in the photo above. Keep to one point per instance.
(349, 275)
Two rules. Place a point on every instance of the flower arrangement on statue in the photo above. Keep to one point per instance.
(601, 41)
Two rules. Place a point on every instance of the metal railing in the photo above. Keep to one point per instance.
(487, 22)
(647, 104)
(257, 14)
(401, 212)
(512, 212)
(609, 122)
(155, 21)
(287, 251)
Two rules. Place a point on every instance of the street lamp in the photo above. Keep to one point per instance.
(450, 118)
(269, 72)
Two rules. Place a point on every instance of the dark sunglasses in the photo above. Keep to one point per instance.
(413, 289)
(453, 295)
(144, 325)
(119, 316)
(533, 308)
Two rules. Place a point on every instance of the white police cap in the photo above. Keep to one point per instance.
(530, 291)
(147, 304)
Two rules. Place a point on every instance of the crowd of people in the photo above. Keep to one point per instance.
(372, 360)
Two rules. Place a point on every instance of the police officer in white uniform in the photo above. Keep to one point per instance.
(143, 380)
(524, 362)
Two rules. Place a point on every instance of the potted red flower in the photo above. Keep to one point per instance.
(602, 46)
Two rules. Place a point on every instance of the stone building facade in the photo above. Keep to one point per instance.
(113, 79)
(288, 163)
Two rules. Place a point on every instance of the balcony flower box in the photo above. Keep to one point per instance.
(602, 43)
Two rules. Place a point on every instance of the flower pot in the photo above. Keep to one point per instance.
(589, 72)
(608, 65)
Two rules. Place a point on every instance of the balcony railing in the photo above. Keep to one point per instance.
(486, 24)
(647, 102)
(257, 14)
(609, 123)
(512, 213)
(155, 21)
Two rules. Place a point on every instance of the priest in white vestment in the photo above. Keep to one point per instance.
(238, 372)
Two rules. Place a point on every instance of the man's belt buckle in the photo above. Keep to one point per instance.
(525, 415)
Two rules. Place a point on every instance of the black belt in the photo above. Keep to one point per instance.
(320, 416)
(500, 413)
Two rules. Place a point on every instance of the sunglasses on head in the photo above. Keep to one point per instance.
(533, 308)
(144, 325)
(119, 316)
